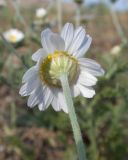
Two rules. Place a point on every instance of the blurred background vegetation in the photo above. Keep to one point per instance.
(28, 134)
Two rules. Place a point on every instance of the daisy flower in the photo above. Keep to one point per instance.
(41, 12)
(60, 54)
(13, 35)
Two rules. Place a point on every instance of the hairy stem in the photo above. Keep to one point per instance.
(72, 115)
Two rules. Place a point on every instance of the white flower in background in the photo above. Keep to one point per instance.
(115, 50)
(13, 35)
(2, 3)
(41, 12)
(60, 54)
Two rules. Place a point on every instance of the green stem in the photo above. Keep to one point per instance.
(18, 12)
(72, 115)
(77, 18)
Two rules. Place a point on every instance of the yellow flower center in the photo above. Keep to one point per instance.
(12, 38)
(56, 64)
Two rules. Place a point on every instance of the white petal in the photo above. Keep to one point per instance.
(61, 99)
(55, 104)
(31, 73)
(62, 102)
(57, 42)
(67, 34)
(41, 53)
(35, 97)
(23, 90)
(75, 91)
(84, 47)
(93, 71)
(86, 91)
(26, 89)
(32, 84)
(46, 42)
(91, 66)
(86, 79)
(78, 39)
(88, 62)
(47, 99)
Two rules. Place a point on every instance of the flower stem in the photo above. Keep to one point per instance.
(18, 12)
(59, 8)
(77, 18)
(72, 115)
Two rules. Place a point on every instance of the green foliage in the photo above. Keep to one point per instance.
(16, 143)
